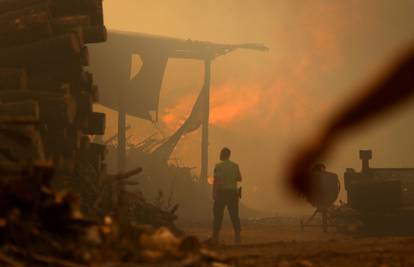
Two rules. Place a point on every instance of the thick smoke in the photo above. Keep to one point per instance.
(262, 104)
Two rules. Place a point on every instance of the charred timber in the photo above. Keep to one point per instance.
(24, 180)
(68, 23)
(59, 8)
(58, 107)
(93, 153)
(84, 106)
(13, 79)
(13, 5)
(91, 33)
(62, 147)
(98, 148)
(16, 95)
(59, 111)
(13, 120)
(95, 124)
(84, 58)
(95, 93)
(44, 52)
(95, 34)
(23, 142)
(25, 25)
(55, 76)
(23, 109)
(91, 8)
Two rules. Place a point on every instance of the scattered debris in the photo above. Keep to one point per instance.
(41, 226)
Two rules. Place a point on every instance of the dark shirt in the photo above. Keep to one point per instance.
(226, 175)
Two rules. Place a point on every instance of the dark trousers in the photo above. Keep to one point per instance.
(229, 199)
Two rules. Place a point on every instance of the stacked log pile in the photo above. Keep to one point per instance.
(46, 119)
(42, 58)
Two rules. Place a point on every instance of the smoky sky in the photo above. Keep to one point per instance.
(263, 105)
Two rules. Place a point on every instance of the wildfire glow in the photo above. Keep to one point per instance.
(174, 116)
(227, 105)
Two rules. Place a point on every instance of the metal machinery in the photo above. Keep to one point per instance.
(326, 190)
(382, 197)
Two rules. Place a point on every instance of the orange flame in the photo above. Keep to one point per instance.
(227, 105)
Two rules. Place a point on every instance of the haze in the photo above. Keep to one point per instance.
(264, 104)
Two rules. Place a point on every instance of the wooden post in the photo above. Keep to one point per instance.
(122, 164)
(119, 196)
(205, 122)
(121, 134)
(121, 212)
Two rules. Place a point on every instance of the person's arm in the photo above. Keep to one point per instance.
(239, 176)
(215, 180)
(239, 179)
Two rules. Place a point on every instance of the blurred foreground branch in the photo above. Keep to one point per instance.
(393, 88)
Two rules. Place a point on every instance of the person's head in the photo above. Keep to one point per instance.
(319, 167)
(225, 154)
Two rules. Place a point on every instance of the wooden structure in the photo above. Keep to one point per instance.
(43, 84)
(46, 110)
(140, 96)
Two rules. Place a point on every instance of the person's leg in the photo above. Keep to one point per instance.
(233, 207)
(218, 212)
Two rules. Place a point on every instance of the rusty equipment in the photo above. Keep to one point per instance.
(326, 190)
(383, 197)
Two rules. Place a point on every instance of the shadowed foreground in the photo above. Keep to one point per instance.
(350, 252)
(286, 246)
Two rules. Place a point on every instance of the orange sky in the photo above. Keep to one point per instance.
(264, 104)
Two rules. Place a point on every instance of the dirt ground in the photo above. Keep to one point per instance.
(288, 246)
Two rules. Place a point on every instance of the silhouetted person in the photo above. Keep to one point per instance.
(226, 194)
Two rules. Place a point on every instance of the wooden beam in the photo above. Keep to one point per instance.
(13, 79)
(95, 124)
(54, 50)
(205, 122)
(25, 25)
(28, 108)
